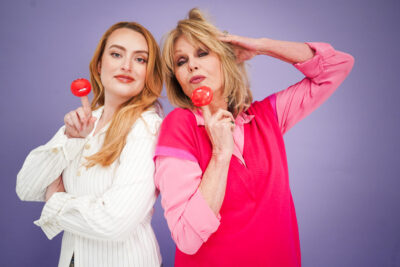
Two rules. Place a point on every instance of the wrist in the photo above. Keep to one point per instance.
(221, 157)
(264, 46)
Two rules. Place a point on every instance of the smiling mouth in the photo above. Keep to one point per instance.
(197, 79)
(124, 79)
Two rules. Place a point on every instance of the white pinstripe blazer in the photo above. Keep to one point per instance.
(105, 213)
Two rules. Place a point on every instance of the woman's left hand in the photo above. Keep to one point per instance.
(54, 187)
(245, 48)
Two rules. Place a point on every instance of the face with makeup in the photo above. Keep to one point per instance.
(123, 65)
(197, 66)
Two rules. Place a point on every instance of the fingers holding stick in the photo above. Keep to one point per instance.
(86, 105)
(206, 113)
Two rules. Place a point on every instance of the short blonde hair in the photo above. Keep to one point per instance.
(197, 30)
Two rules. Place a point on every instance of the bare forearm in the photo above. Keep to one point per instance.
(291, 52)
(213, 183)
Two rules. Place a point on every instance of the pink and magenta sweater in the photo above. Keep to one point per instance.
(257, 223)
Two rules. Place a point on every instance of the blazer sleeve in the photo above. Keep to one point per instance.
(45, 164)
(128, 201)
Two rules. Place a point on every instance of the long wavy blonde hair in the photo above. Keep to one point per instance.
(128, 112)
(197, 30)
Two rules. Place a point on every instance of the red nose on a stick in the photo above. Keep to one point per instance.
(202, 96)
(80, 87)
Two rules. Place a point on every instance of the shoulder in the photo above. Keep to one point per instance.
(147, 125)
(261, 106)
(178, 135)
(179, 126)
(179, 120)
(180, 116)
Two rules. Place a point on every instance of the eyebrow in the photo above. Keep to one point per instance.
(198, 47)
(176, 56)
(123, 49)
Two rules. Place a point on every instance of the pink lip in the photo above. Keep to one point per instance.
(197, 79)
(124, 78)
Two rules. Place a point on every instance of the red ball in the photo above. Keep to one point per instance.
(80, 87)
(202, 96)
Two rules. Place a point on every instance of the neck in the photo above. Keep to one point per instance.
(108, 113)
(110, 106)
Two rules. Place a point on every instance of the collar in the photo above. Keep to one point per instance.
(97, 114)
(241, 119)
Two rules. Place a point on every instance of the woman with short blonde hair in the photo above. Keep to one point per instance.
(202, 33)
(222, 169)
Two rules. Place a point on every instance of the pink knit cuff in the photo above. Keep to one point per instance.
(200, 217)
(173, 152)
(313, 67)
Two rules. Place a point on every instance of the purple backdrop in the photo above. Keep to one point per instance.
(342, 158)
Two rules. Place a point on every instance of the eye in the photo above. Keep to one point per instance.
(202, 53)
(116, 55)
(181, 61)
(141, 60)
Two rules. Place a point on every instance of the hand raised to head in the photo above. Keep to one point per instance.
(245, 48)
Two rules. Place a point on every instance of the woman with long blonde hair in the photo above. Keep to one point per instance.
(96, 173)
(222, 169)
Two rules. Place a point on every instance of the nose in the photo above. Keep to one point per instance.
(192, 65)
(126, 64)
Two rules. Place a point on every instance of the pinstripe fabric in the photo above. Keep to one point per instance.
(105, 213)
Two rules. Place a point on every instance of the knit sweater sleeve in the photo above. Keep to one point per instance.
(178, 176)
(323, 75)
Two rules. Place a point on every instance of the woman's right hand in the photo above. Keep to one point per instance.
(79, 122)
(56, 186)
(220, 127)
